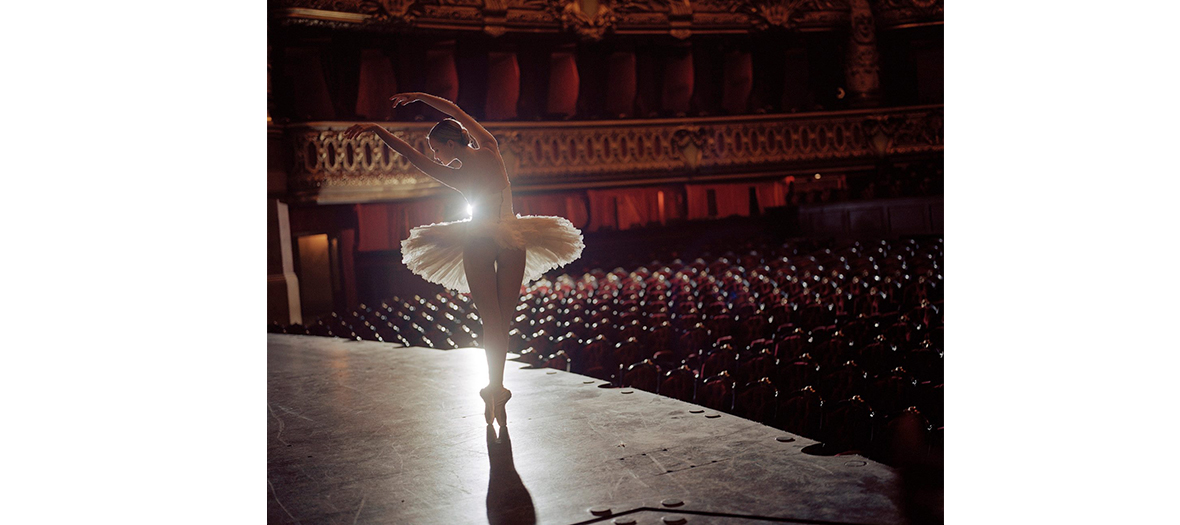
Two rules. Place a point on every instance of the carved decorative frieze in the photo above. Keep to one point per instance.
(404, 11)
(678, 18)
(791, 14)
(766, 13)
(587, 26)
(891, 13)
(344, 6)
(325, 163)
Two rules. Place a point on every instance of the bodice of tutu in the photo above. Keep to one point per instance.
(492, 207)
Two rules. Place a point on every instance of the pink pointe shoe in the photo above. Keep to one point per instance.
(494, 404)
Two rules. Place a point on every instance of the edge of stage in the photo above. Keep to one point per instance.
(367, 432)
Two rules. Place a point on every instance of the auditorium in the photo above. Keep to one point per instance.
(589, 262)
(750, 333)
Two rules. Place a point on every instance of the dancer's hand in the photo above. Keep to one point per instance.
(404, 99)
(354, 131)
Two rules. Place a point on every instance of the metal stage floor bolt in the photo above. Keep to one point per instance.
(855, 464)
(625, 520)
(674, 520)
(600, 511)
(587, 382)
(695, 411)
(672, 502)
(628, 392)
(712, 415)
(784, 439)
(552, 372)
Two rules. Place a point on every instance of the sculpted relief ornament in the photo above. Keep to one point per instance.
(588, 26)
(789, 14)
(392, 10)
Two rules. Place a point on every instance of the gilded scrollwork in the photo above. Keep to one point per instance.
(586, 151)
(768, 13)
(899, 12)
(406, 11)
(586, 26)
(343, 6)
(679, 17)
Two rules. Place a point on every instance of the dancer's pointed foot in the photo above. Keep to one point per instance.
(494, 403)
(489, 404)
(501, 401)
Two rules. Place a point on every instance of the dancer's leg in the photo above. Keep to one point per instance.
(509, 274)
(479, 258)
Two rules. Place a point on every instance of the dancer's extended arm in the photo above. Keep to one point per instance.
(443, 174)
(482, 136)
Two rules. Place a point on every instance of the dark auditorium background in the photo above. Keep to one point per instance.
(759, 184)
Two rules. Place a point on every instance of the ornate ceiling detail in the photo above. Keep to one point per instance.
(404, 11)
(679, 18)
(767, 13)
(590, 27)
(891, 13)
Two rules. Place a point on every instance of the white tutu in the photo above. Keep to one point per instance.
(435, 251)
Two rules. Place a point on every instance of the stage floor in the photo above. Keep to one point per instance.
(365, 432)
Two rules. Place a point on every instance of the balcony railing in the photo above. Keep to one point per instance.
(552, 155)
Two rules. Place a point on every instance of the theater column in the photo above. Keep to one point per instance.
(563, 82)
(503, 85)
(282, 287)
(862, 69)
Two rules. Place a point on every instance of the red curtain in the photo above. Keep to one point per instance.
(442, 79)
(563, 82)
(382, 226)
(624, 208)
(377, 84)
(734, 198)
(309, 93)
(571, 205)
(503, 85)
(678, 81)
(739, 80)
(620, 94)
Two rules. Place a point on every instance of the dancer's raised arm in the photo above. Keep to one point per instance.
(446, 175)
(482, 137)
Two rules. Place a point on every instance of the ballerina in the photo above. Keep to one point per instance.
(492, 253)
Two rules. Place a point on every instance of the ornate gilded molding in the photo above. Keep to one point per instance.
(392, 11)
(767, 13)
(586, 26)
(791, 14)
(329, 168)
(678, 18)
(894, 13)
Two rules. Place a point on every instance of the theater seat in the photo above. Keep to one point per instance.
(717, 392)
(644, 375)
(722, 359)
(847, 381)
(848, 427)
(679, 383)
(905, 440)
(801, 412)
(756, 401)
(791, 375)
(892, 392)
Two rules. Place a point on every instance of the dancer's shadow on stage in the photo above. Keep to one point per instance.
(509, 502)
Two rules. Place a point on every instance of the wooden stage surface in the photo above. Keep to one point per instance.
(366, 432)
